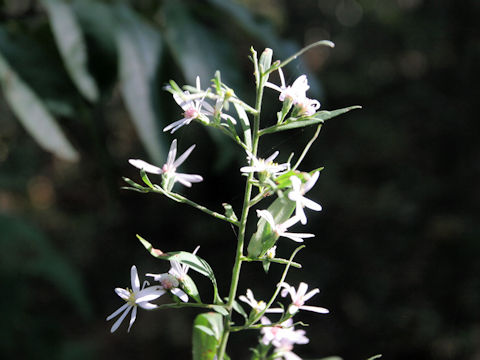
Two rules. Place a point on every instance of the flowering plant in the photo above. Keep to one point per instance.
(282, 185)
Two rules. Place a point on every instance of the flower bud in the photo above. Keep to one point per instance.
(266, 60)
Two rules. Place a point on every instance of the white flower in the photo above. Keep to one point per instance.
(170, 282)
(297, 192)
(135, 297)
(281, 229)
(299, 297)
(257, 306)
(264, 165)
(295, 92)
(169, 169)
(192, 109)
(283, 337)
(307, 107)
(180, 270)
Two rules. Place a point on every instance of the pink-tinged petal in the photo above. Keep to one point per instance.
(120, 319)
(149, 168)
(132, 318)
(180, 293)
(316, 309)
(172, 152)
(183, 157)
(134, 279)
(311, 204)
(177, 125)
(118, 311)
(123, 293)
(310, 294)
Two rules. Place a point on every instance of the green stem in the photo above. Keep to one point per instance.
(243, 220)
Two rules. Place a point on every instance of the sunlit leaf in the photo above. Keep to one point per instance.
(33, 114)
(139, 46)
(318, 118)
(71, 44)
(195, 263)
(207, 329)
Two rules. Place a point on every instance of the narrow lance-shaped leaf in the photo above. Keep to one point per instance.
(71, 44)
(318, 118)
(139, 47)
(33, 114)
(195, 263)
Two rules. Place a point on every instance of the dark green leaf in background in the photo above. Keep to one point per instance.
(71, 45)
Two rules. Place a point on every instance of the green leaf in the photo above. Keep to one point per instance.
(33, 114)
(220, 309)
(72, 47)
(378, 356)
(207, 330)
(239, 309)
(245, 122)
(139, 46)
(188, 285)
(264, 238)
(195, 263)
(318, 118)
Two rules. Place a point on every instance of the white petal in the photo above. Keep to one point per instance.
(118, 311)
(292, 309)
(149, 168)
(271, 157)
(188, 179)
(309, 184)
(134, 279)
(310, 294)
(302, 289)
(311, 204)
(123, 293)
(183, 157)
(316, 309)
(265, 214)
(292, 236)
(172, 153)
(120, 319)
(180, 293)
(292, 221)
(147, 306)
(274, 311)
(149, 294)
(132, 318)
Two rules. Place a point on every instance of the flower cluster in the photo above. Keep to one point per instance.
(142, 297)
(265, 180)
(296, 94)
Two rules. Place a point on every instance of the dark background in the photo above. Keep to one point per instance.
(396, 252)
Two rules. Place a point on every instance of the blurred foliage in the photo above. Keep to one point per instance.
(397, 249)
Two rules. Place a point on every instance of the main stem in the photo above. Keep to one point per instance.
(243, 222)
